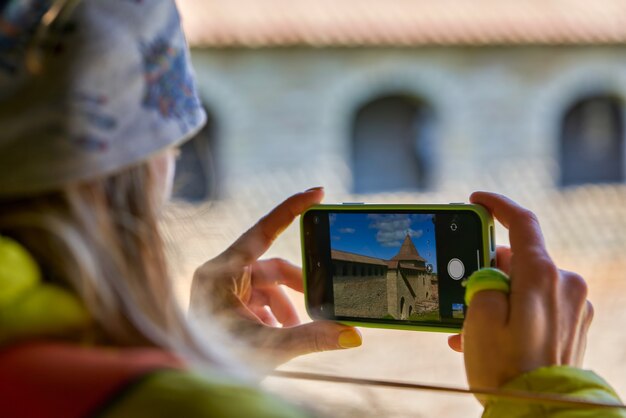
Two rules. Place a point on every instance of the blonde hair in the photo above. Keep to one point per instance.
(101, 240)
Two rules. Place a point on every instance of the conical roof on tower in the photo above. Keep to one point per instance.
(408, 252)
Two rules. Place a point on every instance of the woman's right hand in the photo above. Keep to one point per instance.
(542, 322)
(248, 293)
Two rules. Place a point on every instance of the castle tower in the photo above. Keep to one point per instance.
(408, 255)
(407, 280)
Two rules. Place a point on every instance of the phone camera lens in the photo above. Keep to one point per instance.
(453, 226)
(316, 220)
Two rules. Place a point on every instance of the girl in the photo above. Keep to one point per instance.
(95, 97)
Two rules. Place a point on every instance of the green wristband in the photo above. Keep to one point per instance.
(486, 279)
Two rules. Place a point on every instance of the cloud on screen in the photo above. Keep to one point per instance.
(392, 229)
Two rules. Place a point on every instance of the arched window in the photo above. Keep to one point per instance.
(410, 310)
(392, 145)
(197, 175)
(592, 142)
(402, 307)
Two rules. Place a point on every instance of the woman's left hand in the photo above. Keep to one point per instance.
(249, 291)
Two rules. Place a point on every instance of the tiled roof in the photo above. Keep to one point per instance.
(356, 258)
(408, 251)
(407, 266)
(327, 23)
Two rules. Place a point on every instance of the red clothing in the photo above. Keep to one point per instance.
(51, 379)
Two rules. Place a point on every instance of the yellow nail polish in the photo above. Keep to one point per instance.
(350, 338)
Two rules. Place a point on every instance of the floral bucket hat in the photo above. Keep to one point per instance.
(88, 87)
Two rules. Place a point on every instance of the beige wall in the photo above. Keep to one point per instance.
(286, 114)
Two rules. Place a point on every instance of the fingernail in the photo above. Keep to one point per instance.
(350, 338)
(314, 189)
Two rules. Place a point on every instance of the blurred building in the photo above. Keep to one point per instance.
(405, 95)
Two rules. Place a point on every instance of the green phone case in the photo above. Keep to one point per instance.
(487, 230)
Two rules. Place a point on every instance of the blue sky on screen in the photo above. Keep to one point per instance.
(381, 235)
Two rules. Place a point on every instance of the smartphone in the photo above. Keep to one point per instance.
(393, 266)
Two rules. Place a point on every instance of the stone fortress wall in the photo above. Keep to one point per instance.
(376, 288)
(410, 292)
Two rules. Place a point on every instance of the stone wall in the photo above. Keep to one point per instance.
(377, 296)
(364, 297)
(420, 284)
(413, 293)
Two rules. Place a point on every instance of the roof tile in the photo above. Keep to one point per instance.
(346, 23)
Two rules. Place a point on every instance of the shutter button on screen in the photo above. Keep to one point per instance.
(456, 269)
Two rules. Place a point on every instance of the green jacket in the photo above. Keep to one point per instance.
(167, 394)
(174, 394)
(560, 380)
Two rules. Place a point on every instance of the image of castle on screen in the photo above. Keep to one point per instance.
(384, 266)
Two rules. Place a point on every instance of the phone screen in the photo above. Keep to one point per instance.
(382, 266)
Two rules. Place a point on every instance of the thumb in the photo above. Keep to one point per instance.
(320, 336)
